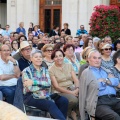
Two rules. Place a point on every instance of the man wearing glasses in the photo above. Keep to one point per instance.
(25, 50)
(9, 73)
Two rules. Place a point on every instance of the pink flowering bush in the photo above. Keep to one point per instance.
(105, 20)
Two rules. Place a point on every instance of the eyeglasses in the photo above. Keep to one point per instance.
(106, 49)
(15, 43)
(5, 50)
(27, 49)
(48, 50)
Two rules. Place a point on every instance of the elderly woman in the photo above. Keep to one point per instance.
(64, 81)
(107, 61)
(84, 62)
(36, 83)
(47, 50)
(70, 57)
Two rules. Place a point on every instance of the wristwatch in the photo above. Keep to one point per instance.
(15, 64)
(107, 80)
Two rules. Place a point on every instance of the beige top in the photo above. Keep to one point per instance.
(63, 76)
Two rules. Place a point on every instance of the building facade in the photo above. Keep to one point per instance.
(47, 13)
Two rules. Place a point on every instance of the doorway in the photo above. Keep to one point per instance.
(3, 13)
(50, 14)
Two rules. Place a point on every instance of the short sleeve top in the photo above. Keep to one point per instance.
(63, 77)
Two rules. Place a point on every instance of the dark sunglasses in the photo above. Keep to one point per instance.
(106, 49)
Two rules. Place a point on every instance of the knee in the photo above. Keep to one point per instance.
(73, 99)
(63, 100)
(10, 93)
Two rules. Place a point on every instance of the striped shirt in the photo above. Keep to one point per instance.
(41, 81)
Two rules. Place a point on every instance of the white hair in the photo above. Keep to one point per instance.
(34, 51)
(92, 51)
(96, 39)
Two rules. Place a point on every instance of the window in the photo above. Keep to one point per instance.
(53, 2)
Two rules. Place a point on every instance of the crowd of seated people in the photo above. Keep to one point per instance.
(62, 74)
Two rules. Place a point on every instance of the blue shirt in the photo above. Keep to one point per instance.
(75, 65)
(18, 30)
(6, 32)
(80, 32)
(104, 89)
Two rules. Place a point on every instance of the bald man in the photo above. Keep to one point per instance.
(9, 73)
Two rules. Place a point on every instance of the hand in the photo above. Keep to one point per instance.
(27, 83)
(75, 92)
(11, 59)
(102, 80)
(110, 75)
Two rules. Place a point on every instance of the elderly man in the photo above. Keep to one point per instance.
(97, 93)
(25, 50)
(9, 73)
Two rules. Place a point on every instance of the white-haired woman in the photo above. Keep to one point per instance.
(36, 83)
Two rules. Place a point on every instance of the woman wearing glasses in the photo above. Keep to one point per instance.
(107, 61)
(47, 51)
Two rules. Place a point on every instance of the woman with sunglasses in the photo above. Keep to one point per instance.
(107, 61)
(47, 51)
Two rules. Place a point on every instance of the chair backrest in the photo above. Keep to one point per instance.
(1, 96)
(18, 98)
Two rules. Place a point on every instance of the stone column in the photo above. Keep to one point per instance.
(70, 14)
(106, 2)
(83, 13)
(24, 11)
(11, 14)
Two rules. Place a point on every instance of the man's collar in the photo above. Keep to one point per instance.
(95, 68)
(4, 61)
(25, 59)
(34, 69)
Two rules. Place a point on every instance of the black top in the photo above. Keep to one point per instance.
(30, 29)
(23, 63)
(67, 31)
(53, 33)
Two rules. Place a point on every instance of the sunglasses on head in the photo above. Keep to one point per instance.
(106, 49)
